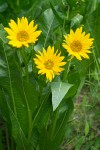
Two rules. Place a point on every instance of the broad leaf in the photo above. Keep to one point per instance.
(58, 17)
(22, 143)
(91, 6)
(49, 141)
(59, 90)
(76, 20)
(47, 23)
(15, 95)
(3, 34)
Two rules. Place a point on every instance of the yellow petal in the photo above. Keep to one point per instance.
(13, 25)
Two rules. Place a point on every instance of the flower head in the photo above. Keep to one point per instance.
(78, 44)
(49, 63)
(21, 33)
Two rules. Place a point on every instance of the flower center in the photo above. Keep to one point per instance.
(76, 46)
(22, 36)
(48, 64)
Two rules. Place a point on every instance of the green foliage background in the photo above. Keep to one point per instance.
(20, 99)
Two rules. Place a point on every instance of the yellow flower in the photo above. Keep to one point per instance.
(78, 44)
(49, 63)
(22, 33)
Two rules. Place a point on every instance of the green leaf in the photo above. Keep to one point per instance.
(59, 90)
(61, 125)
(18, 133)
(1, 145)
(3, 107)
(12, 90)
(31, 94)
(79, 143)
(86, 128)
(91, 6)
(3, 7)
(43, 108)
(11, 85)
(34, 6)
(76, 20)
(72, 3)
(3, 34)
(94, 28)
(49, 141)
(59, 18)
(48, 23)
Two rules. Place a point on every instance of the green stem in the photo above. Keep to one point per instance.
(33, 122)
(68, 12)
(40, 108)
(7, 138)
(26, 100)
(12, 144)
(54, 123)
(97, 65)
(24, 56)
(30, 124)
(33, 51)
(96, 61)
(66, 71)
(26, 71)
(29, 113)
(65, 20)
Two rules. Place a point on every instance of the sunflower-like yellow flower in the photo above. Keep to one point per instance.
(78, 44)
(22, 33)
(49, 63)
